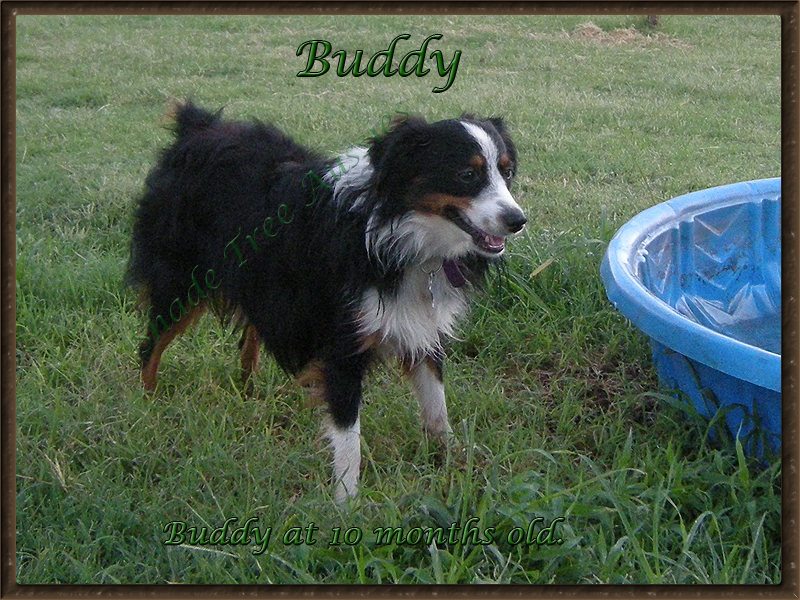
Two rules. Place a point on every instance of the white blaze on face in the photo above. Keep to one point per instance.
(495, 199)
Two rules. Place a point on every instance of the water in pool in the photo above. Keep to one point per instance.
(763, 332)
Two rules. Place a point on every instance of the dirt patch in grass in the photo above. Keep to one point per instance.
(600, 385)
(591, 33)
(616, 37)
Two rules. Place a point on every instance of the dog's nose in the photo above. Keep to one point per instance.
(514, 220)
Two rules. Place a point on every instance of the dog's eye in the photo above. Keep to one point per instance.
(508, 174)
(468, 175)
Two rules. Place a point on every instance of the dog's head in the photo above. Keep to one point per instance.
(446, 185)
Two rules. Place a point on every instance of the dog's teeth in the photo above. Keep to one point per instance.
(491, 243)
(495, 241)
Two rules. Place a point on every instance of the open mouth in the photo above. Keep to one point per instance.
(493, 244)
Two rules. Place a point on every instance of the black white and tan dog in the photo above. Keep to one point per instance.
(328, 264)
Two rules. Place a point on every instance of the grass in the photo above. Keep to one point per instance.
(551, 391)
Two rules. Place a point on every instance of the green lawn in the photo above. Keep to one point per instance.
(551, 391)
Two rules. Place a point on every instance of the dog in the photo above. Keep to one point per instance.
(329, 264)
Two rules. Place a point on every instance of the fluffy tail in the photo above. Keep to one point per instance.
(184, 118)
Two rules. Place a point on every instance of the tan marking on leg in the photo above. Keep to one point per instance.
(150, 369)
(312, 378)
(249, 345)
(370, 341)
(406, 364)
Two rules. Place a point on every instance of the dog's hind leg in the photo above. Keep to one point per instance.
(158, 342)
(248, 346)
(428, 387)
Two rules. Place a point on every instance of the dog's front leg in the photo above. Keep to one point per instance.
(342, 384)
(346, 444)
(428, 386)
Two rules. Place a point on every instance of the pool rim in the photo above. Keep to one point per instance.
(655, 317)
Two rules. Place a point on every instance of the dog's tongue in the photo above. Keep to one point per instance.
(454, 274)
(492, 243)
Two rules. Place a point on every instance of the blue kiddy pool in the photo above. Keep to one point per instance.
(701, 276)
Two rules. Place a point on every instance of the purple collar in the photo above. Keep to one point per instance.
(454, 274)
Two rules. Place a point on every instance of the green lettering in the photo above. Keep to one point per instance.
(293, 536)
(268, 230)
(310, 541)
(417, 533)
(420, 55)
(208, 283)
(164, 326)
(142, 348)
(196, 539)
(241, 532)
(176, 537)
(181, 312)
(282, 215)
(388, 533)
(314, 188)
(263, 540)
(438, 532)
(341, 72)
(312, 58)
(195, 285)
(352, 540)
(236, 248)
(221, 532)
(251, 240)
(549, 539)
(401, 112)
(387, 66)
(451, 69)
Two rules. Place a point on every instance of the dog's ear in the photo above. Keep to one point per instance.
(497, 122)
(405, 135)
(393, 158)
(500, 125)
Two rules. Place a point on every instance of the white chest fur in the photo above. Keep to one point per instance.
(410, 323)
